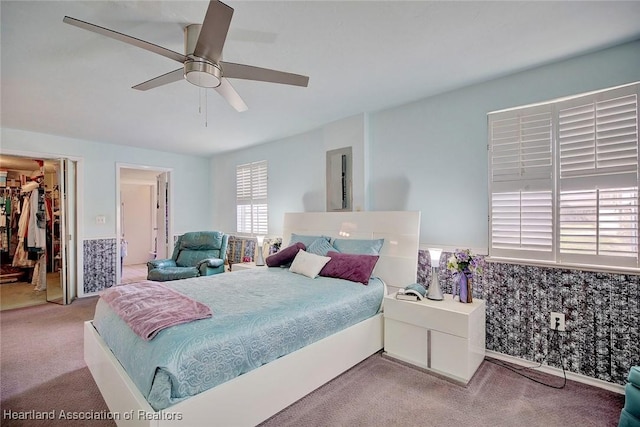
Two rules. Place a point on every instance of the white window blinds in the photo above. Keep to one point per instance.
(598, 184)
(563, 180)
(599, 138)
(521, 172)
(522, 220)
(521, 146)
(251, 198)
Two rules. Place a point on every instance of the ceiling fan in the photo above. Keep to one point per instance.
(202, 63)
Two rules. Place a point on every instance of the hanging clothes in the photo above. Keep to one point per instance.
(13, 224)
(39, 278)
(36, 236)
(21, 257)
(5, 216)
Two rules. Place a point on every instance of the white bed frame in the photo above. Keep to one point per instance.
(257, 395)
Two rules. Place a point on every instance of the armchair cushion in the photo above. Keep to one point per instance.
(160, 263)
(202, 240)
(192, 258)
(211, 262)
(172, 273)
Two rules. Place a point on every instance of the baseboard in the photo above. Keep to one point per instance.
(616, 388)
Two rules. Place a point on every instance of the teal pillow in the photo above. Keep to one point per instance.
(359, 246)
(307, 240)
(320, 247)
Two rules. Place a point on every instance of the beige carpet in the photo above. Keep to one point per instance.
(383, 392)
(42, 366)
(21, 294)
(133, 273)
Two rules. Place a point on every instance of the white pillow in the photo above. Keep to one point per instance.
(308, 264)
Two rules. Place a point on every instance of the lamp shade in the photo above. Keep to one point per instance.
(435, 256)
(435, 293)
(259, 255)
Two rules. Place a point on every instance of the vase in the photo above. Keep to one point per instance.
(465, 288)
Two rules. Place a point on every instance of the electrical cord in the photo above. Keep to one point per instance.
(517, 370)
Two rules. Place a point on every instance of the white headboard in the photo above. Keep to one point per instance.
(398, 263)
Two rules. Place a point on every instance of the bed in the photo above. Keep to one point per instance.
(265, 389)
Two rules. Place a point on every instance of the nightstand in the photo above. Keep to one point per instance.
(446, 337)
(245, 266)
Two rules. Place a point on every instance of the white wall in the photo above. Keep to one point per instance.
(430, 155)
(191, 188)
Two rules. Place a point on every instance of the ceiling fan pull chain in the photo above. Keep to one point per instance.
(199, 100)
(206, 109)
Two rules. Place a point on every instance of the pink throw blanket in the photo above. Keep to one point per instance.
(148, 307)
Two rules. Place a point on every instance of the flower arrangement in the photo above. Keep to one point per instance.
(462, 260)
(274, 245)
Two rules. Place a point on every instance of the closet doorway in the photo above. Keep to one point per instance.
(144, 225)
(38, 231)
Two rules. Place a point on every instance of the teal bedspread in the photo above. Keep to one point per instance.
(259, 315)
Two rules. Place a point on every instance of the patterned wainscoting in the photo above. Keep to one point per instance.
(100, 258)
(602, 315)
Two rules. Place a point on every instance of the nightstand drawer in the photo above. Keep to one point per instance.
(443, 319)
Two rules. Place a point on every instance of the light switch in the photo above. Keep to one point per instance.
(101, 219)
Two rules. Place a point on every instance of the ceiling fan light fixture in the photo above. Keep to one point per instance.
(202, 63)
(202, 73)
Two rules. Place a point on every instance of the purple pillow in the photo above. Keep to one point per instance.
(354, 267)
(285, 256)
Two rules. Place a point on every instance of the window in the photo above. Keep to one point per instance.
(563, 180)
(251, 198)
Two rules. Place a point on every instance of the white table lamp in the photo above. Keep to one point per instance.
(435, 293)
(259, 256)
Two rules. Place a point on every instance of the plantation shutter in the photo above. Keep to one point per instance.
(598, 178)
(564, 178)
(259, 197)
(251, 198)
(521, 182)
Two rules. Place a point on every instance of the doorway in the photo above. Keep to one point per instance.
(144, 225)
(38, 231)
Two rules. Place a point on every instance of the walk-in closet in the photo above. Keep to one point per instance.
(30, 232)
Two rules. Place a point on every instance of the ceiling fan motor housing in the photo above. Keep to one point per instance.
(199, 71)
(202, 73)
(191, 34)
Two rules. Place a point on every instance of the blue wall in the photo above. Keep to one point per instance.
(190, 175)
(296, 172)
(429, 155)
(436, 148)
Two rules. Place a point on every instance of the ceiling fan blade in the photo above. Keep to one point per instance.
(214, 31)
(231, 96)
(249, 72)
(126, 39)
(164, 79)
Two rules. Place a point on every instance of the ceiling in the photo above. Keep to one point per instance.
(25, 164)
(360, 56)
